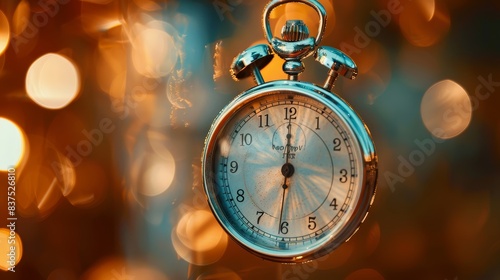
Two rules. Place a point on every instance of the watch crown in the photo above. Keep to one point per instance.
(294, 31)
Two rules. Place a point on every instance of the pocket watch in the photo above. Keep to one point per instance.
(289, 168)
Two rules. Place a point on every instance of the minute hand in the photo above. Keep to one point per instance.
(288, 139)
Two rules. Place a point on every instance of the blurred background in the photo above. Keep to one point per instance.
(104, 106)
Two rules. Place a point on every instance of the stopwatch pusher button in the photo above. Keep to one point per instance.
(250, 62)
(338, 62)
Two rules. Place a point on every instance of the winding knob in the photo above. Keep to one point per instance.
(294, 31)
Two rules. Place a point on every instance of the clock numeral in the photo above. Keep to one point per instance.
(234, 167)
(317, 123)
(260, 214)
(246, 139)
(343, 177)
(264, 121)
(312, 223)
(290, 113)
(240, 195)
(284, 227)
(336, 145)
(334, 204)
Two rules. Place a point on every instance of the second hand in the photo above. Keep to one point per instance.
(287, 170)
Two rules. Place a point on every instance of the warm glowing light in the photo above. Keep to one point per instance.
(147, 5)
(111, 68)
(99, 20)
(10, 240)
(199, 239)
(53, 81)
(120, 268)
(428, 8)
(446, 109)
(154, 53)
(4, 32)
(424, 23)
(12, 144)
(20, 18)
(159, 174)
(47, 194)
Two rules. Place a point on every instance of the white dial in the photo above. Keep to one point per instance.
(286, 173)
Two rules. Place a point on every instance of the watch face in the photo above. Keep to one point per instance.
(286, 171)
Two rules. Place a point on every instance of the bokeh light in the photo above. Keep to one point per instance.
(158, 174)
(20, 17)
(121, 268)
(53, 81)
(427, 7)
(446, 109)
(4, 32)
(154, 53)
(424, 22)
(147, 5)
(47, 176)
(199, 239)
(99, 17)
(10, 239)
(47, 192)
(111, 68)
(12, 144)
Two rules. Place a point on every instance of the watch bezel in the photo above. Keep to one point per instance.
(366, 148)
